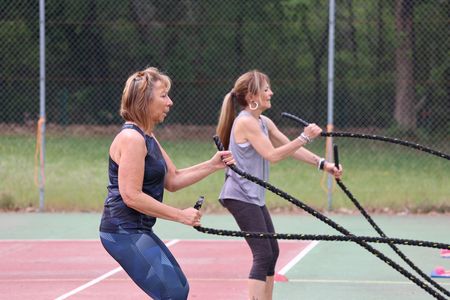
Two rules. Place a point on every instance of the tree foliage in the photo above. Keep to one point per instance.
(92, 46)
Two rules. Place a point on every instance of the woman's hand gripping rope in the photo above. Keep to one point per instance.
(371, 137)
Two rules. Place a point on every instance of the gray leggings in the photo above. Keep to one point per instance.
(251, 217)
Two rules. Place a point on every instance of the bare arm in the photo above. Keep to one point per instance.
(129, 151)
(177, 179)
(302, 154)
(248, 129)
(279, 139)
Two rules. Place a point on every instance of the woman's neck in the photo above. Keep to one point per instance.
(255, 113)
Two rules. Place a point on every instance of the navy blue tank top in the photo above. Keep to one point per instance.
(117, 216)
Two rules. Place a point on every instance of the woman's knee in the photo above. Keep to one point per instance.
(275, 254)
(263, 262)
(267, 256)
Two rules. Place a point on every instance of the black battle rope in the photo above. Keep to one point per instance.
(316, 237)
(372, 137)
(331, 223)
(380, 232)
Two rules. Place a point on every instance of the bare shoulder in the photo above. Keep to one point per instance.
(244, 127)
(128, 140)
(246, 122)
(267, 120)
(130, 136)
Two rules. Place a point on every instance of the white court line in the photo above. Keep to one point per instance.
(100, 278)
(296, 259)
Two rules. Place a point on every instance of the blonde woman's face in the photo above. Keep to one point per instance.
(263, 99)
(161, 103)
(266, 96)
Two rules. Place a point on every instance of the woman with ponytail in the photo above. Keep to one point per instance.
(255, 141)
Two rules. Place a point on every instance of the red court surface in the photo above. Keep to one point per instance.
(216, 269)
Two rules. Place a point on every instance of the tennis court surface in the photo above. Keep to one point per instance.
(58, 256)
(80, 269)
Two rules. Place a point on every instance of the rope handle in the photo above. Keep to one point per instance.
(199, 202)
(336, 156)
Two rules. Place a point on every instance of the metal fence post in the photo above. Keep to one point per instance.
(42, 103)
(330, 94)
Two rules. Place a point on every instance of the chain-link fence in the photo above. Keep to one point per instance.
(392, 77)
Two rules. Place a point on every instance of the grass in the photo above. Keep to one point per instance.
(381, 176)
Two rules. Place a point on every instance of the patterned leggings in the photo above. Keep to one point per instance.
(149, 263)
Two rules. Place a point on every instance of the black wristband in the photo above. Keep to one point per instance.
(322, 164)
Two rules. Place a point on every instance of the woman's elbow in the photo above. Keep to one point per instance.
(172, 182)
(129, 198)
(171, 186)
(273, 159)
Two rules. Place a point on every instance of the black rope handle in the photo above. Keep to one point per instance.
(379, 231)
(199, 203)
(371, 137)
(331, 223)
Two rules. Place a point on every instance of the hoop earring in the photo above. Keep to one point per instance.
(255, 107)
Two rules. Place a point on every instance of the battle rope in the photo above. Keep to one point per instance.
(372, 137)
(380, 232)
(333, 224)
(316, 237)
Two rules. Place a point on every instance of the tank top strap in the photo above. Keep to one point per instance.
(132, 126)
(264, 124)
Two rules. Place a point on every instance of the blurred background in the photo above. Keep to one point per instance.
(391, 78)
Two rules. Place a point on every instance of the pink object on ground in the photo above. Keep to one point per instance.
(440, 272)
(445, 253)
(280, 278)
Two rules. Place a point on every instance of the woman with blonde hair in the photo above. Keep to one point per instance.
(255, 141)
(139, 171)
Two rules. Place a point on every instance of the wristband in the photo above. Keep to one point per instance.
(321, 164)
(303, 137)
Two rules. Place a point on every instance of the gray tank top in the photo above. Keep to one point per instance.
(248, 160)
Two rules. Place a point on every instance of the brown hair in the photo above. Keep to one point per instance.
(137, 94)
(251, 83)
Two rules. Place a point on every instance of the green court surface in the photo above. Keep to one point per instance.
(331, 270)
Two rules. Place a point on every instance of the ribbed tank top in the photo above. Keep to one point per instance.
(117, 216)
(248, 160)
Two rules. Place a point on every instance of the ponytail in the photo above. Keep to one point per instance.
(226, 118)
(250, 82)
